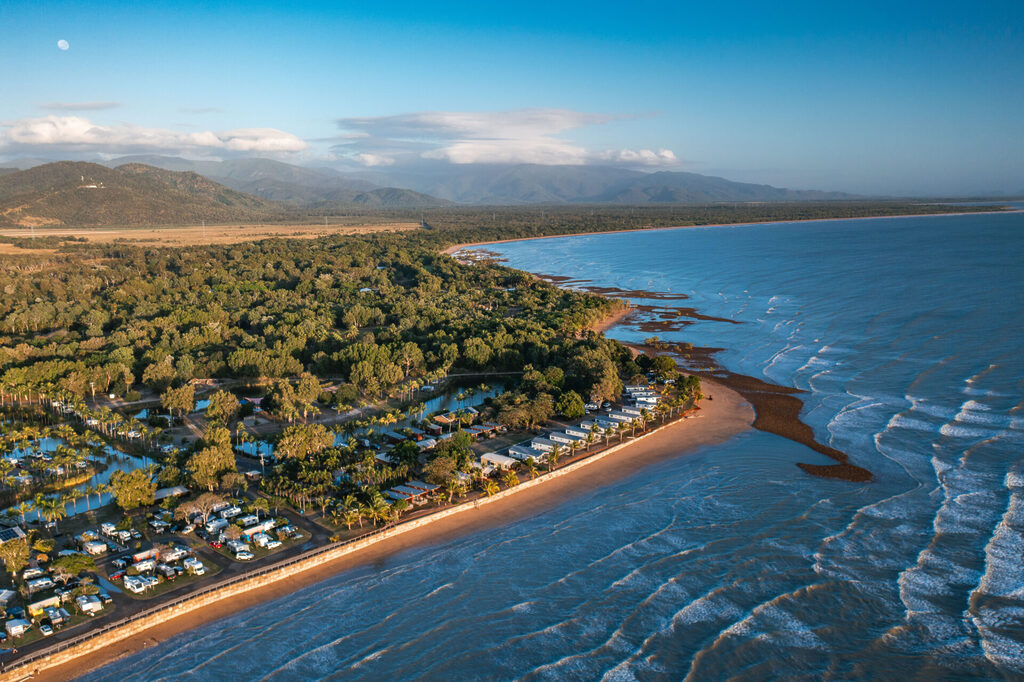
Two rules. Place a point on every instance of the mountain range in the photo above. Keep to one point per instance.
(320, 188)
(537, 184)
(326, 189)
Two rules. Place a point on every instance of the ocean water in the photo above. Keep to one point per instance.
(730, 562)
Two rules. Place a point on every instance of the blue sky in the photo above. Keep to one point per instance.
(892, 98)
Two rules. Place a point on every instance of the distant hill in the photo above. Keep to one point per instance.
(23, 162)
(690, 188)
(292, 184)
(535, 184)
(90, 195)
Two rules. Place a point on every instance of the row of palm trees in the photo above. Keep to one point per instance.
(60, 404)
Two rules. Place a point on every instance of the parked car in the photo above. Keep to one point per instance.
(104, 597)
(244, 555)
(188, 528)
(119, 575)
(216, 544)
(273, 544)
(119, 563)
(46, 630)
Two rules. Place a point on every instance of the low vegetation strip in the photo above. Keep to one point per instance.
(64, 651)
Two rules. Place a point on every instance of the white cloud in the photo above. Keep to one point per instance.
(374, 159)
(80, 106)
(517, 136)
(75, 133)
(642, 157)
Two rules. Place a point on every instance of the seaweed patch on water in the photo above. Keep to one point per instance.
(657, 319)
(478, 255)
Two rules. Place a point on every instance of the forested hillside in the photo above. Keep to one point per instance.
(88, 194)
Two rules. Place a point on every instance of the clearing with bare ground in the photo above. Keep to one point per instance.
(211, 234)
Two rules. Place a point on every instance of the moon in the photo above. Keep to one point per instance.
(63, 44)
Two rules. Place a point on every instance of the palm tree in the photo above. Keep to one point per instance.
(99, 490)
(531, 467)
(23, 509)
(621, 429)
(451, 487)
(53, 510)
(511, 480)
(350, 516)
(73, 499)
(365, 512)
(380, 511)
(490, 487)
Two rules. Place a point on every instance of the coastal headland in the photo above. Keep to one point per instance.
(777, 407)
(715, 421)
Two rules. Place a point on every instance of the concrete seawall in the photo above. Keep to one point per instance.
(272, 574)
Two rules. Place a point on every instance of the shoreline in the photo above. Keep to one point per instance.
(451, 250)
(716, 421)
(777, 408)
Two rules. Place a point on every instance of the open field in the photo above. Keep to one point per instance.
(211, 234)
(11, 249)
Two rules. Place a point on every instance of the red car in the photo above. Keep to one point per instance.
(117, 576)
(215, 544)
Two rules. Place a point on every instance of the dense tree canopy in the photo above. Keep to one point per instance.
(132, 489)
(374, 312)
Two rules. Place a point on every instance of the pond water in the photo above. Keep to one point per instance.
(113, 458)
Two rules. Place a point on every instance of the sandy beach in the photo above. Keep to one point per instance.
(727, 415)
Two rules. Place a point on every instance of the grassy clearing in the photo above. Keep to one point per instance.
(196, 235)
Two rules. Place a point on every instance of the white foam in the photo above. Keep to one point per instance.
(903, 421)
(954, 430)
